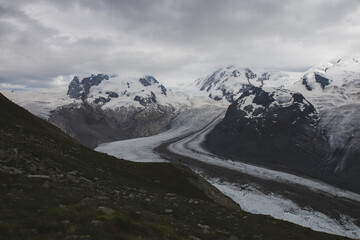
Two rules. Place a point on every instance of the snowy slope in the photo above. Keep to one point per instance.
(113, 91)
(334, 89)
(41, 102)
(230, 82)
(330, 85)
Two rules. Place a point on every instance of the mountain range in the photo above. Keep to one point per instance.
(302, 122)
(52, 187)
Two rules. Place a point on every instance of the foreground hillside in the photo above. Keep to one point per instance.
(54, 188)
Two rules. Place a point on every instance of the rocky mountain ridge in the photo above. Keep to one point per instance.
(272, 127)
(103, 108)
(101, 89)
(108, 108)
(230, 82)
(333, 90)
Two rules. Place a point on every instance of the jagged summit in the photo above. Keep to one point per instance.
(113, 91)
(80, 89)
(263, 103)
(148, 80)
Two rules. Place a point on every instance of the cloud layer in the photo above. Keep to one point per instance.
(45, 43)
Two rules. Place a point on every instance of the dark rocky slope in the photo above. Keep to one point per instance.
(277, 129)
(92, 125)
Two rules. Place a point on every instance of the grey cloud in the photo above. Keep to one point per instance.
(173, 39)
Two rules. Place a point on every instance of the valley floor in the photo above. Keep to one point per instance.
(258, 190)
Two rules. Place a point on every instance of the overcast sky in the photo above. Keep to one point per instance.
(45, 43)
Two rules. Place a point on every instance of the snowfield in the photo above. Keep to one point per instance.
(40, 102)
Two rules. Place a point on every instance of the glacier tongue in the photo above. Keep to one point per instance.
(255, 201)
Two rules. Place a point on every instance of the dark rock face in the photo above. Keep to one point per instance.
(75, 88)
(264, 77)
(271, 128)
(163, 90)
(250, 74)
(112, 94)
(306, 84)
(341, 126)
(148, 80)
(216, 98)
(342, 168)
(146, 101)
(236, 73)
(92, 125)
(212, 81)
(101, 100)
(322, 80)
(81, 89)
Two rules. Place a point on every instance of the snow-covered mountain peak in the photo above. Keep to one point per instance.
(261, 102)
(334, 91)
(80, 89)
(112, 91)
(148, 80)
(321, 67)
(344, 63)
(339, 81)
(230, 82)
